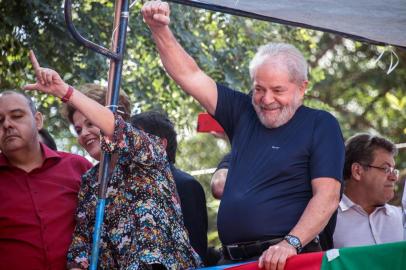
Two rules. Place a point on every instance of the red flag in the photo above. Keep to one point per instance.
(307, 261)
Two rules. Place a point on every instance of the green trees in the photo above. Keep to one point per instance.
(344, 79)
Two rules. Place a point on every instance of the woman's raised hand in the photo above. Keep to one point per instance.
(48, 80)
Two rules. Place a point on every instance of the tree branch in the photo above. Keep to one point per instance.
(336, 40)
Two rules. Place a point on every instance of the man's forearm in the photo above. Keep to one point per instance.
(317, 213)
(184, 70)
(313, 220)
(175, 59)
(178, 63)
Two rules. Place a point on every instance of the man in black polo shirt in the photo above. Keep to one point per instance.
(285, 174)
(218, 182)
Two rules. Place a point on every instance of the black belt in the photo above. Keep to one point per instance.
(246, 250)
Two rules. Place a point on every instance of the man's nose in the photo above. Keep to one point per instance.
(393, 177)
(7, 123)
(268, 97)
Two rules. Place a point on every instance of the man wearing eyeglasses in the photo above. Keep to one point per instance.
(364, 217)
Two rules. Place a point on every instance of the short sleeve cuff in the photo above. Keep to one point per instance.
(111, 145)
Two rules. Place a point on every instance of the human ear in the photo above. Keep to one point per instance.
(356, 171)
(164, 142)
(303, 87)
(39, 120)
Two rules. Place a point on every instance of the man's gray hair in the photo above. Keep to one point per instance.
(285, 53)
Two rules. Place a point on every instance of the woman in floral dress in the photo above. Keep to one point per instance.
(143, 226)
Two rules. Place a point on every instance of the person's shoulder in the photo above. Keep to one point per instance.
(75, 158)
(180, 175)
(318, 113)
(183, 178)
(223, 87)
(235, 92)
(70, 155)
(320, 118)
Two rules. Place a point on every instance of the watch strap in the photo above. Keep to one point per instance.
(294, 241)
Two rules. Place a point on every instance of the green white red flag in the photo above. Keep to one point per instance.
(378, 257)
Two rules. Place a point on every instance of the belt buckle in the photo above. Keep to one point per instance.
(229, 248)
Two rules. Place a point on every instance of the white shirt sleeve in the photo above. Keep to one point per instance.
(404, 212)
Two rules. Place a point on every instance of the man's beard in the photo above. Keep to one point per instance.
(286, 113)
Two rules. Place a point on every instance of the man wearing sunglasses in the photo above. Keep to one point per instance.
(364, 215)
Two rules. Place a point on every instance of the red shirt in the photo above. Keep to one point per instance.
(37, 211)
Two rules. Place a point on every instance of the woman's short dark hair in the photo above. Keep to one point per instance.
(360, 149)
(99, 94)
(158, 124)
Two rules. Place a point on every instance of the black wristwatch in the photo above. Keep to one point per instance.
(294, 241)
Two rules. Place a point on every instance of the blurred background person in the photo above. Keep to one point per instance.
(364, 215)
(46, 138)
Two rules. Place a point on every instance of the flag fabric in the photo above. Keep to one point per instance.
(385, 256)
(377, 257)
(307, 261)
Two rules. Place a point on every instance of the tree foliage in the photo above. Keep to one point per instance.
(344, 79)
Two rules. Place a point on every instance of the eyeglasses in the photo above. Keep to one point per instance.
(387, 170)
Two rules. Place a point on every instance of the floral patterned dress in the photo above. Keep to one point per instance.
(143, 222)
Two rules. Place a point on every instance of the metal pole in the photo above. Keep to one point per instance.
(84, 42)
(113, 95)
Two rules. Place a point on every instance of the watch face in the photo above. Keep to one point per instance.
(294, 241)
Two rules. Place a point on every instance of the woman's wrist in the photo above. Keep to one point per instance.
(68, 93)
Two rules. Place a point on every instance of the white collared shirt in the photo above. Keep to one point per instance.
(404, 210)
(356, 228)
